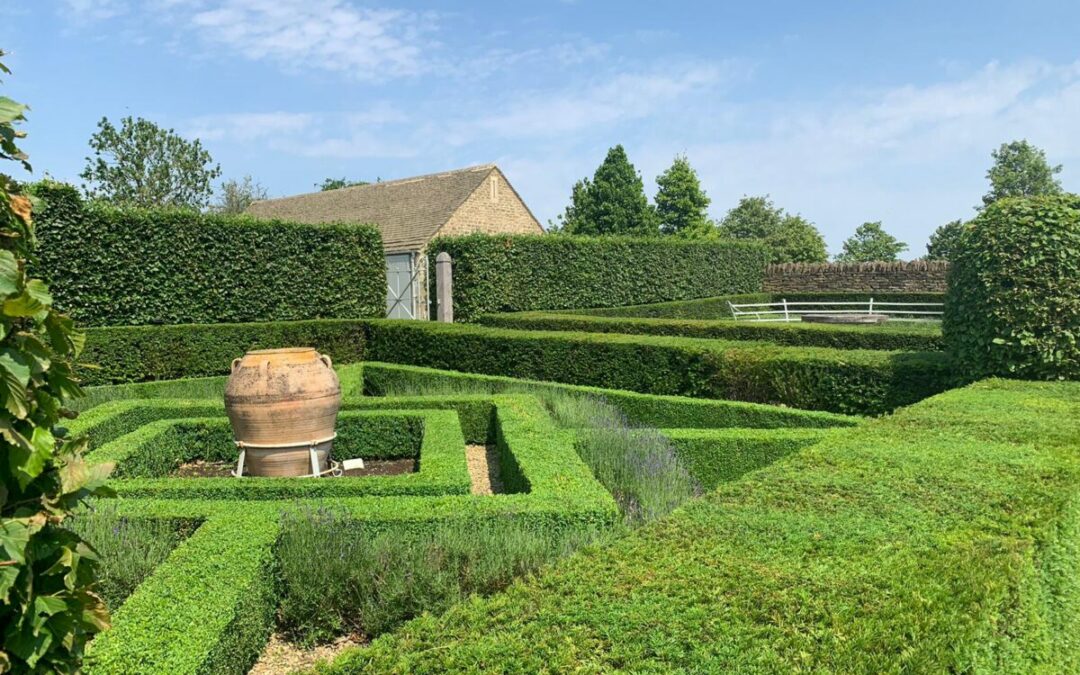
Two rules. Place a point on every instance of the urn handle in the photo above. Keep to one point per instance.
(325, 358)
(235, 363)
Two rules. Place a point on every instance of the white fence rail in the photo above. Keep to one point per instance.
(794, 311)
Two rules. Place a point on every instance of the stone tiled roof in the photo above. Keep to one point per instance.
(408, 211)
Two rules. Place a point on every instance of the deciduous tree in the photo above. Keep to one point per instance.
(1020, 170)
(236, 195)
(944, 240)
(871, 243)
(48, 609)
(790, 238)
(142, 164)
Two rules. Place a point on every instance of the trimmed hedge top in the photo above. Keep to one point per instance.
(528, 272)
(109, 266)
(941, 539)
(1013, 306)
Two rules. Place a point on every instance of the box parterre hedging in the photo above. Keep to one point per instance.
(209, 608)
(942, 539)
(110, 266)
(527, 272)
(817, 378)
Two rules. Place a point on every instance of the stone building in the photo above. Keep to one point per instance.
(409, 213)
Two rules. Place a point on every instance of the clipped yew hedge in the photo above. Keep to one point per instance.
(500, 273)
(111, 266)
(1013, 304)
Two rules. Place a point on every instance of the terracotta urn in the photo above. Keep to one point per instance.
(280, 402)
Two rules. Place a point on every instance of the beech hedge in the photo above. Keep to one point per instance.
(500, 273)
(1013, 305)
(111, 266)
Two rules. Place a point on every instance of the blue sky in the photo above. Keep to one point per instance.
(841, 111)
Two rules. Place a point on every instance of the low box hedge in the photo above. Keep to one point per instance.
(391, 379)
(501, 273)
(853, 381)
(717, 307)
(944, 538)
(816, 378)
(909, 336)
(146, 457)
(210, 606)
(715, 456)
(110, 266)
(140, 353)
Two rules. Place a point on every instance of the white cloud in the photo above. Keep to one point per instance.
(369, 44)
(93, 10)
(625, 96)
(246, 127)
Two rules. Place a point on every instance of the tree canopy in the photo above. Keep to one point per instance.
(681, 204)
(236, 195)
(142, 164)
(790, 238)
(944, 240)
(338, 183)
(871, 243)
(1020, 170)
(613, 202)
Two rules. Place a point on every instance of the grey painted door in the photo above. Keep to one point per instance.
(400, 289)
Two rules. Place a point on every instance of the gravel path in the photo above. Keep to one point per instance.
(484, 469)
(281, 657)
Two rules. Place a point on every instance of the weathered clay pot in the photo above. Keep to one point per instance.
(279, 398)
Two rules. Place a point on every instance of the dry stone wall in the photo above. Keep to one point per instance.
(917, 276)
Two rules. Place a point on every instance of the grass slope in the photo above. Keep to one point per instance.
(941, 539)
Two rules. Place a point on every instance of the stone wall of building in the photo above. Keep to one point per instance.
(917, 276)
(493, 208)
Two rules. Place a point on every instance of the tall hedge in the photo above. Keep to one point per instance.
(111, 266)
(1013, 304)
(499, 273)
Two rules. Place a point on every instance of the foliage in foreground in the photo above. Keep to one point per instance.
(944, 538)
(1013, 305)
(48, 609)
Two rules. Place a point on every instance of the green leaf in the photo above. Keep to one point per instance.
(11, 111)
(14, 377)
(9, 273)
